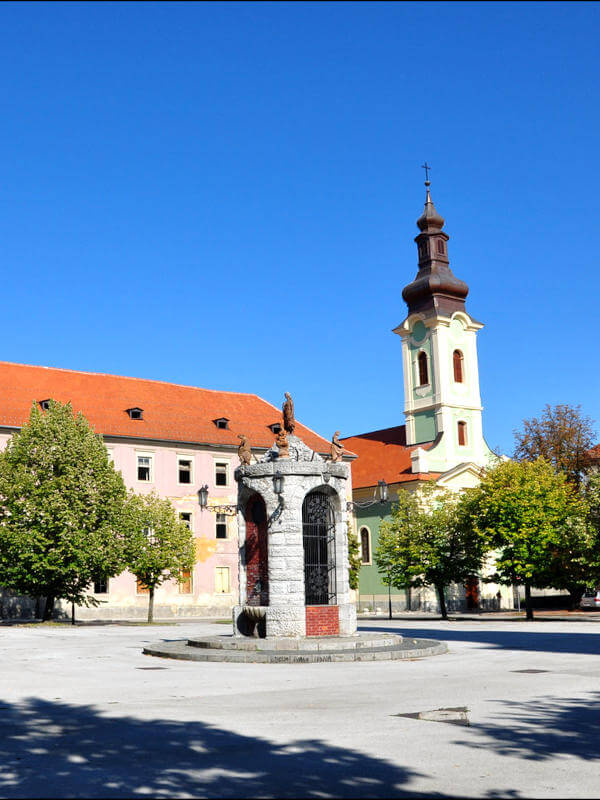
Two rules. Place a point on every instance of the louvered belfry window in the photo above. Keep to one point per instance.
(423, 370)
(457, 361)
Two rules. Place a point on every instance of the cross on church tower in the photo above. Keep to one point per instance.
(426, 167)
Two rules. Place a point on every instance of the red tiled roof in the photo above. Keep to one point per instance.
(594, 454)
(384, 455)
(170, 411)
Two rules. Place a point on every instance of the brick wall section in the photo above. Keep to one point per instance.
(322, 621)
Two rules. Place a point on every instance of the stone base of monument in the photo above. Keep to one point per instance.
(290, 650)
(292, 621)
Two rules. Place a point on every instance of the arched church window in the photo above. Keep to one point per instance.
(457, 361)
(462, 433)
(365, 546)
(423, 369)
(440, 246)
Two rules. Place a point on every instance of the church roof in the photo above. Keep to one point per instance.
(384, 455)
(594, 455)
(169, 411)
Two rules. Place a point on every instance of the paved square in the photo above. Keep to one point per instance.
(85, 714)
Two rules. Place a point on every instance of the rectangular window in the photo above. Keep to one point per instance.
(222, 585)
(141, 588)
(101, 586)
(221, 526)
(221, 473)
(185, 581)
(184, 469)
(145, 467)
(186, 516)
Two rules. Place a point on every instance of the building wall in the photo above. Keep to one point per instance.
(123, 599)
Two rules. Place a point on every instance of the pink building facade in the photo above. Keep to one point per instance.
(173, 440)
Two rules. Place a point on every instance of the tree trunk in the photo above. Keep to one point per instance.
(49, 608)
(442, 599)
(575, 595)
(528, 606)
(150, 603)
(72, 613)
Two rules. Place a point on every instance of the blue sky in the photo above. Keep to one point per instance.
(225, 195)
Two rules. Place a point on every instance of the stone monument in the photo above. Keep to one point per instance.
(293, 543)
(293, 553)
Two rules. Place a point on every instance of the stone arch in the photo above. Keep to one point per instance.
(256, 553)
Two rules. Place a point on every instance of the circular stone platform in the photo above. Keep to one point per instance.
(312, 649)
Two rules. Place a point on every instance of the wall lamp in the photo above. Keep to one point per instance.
(278, 483)
(233, 508)
(278, 487)
(203, 503)
(380, 495)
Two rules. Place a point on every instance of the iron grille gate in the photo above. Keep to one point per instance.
(318, 536)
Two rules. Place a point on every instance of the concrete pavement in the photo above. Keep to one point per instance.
(84, 713)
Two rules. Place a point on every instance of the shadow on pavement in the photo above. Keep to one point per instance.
(544, 728)
(583, 643)
(51, 749)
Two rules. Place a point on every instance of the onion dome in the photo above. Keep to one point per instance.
(435, 287)
(430, 219)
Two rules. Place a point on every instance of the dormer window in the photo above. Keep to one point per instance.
(135, 413)
(222, 423)
(44, 405)
(275, 427)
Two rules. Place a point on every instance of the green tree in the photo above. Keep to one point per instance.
(61, 504)
(562, 435)
(532, 518)
(158, 545)
(354, 559)
(428, 543)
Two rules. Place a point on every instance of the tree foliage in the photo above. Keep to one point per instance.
(354, 558)
(158, 545)
(428, 542)
(562, 435)
(61, 504)
(533, 519)
(591, 494)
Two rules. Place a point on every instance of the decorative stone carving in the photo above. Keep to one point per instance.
(337, 448)
(244, 451)
(283, 445)
(289, 421)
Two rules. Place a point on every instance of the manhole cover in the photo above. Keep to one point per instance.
(455, 716)
(529, 671)
(152, 668)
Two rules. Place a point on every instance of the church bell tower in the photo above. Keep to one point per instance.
(439, 350)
